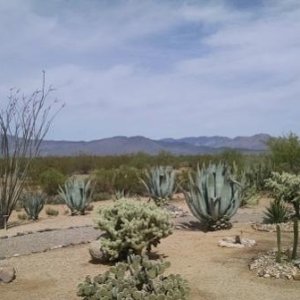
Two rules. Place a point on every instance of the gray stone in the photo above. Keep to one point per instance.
(96, 252)
(7, 273)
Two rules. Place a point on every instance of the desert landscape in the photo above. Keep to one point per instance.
(149, 150)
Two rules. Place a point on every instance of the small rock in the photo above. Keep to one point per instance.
(7, 273)
(297, 276)
(267, 275)
(96, 252)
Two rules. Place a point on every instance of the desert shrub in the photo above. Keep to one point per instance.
(285, 153)
(277, 212)
(50, 180)
(159, 182)
(77, 194)
(55, 199)
(131, 226)
(123, 178)
(101, 196)
(139, 278)
(22, 216)
(90, 207)
(33, 204)
(51, 212)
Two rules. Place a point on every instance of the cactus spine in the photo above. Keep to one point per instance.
(213, 196)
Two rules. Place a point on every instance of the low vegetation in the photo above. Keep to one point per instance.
(139, 278)
(130, 225)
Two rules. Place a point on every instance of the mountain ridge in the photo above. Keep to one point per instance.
(119, 145)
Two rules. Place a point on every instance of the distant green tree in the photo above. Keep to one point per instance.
(285, 152)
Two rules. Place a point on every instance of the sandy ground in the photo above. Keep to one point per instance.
(213, 272)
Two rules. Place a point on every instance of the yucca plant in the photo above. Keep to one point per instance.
(213, 196)
(33, 204)
(76, 194)
(277, 212)
(160, 184)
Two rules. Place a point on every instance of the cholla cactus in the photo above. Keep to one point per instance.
(286, 187)
(139, 279)
(131, 226)
(76, 194)
(213, 196)
(160, 184)
(33, 204)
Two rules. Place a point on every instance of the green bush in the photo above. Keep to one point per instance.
(50, 180)
(138, 279)
(22, 216)
(131, 225)
(51, 212)
(101, 196)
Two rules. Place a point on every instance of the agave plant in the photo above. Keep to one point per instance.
(160, 184)
(213, 196)
(33, 204)
(76, 194)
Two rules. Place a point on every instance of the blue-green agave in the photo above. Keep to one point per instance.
(33, 204)
(160, 183)
(76, 194)
(213, 196)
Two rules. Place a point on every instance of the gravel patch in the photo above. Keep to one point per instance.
(46, 240)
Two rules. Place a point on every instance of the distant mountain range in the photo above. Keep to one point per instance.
(129, 145)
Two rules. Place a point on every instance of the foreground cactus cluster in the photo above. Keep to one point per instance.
(131, 225)
(138, 279)
(213, 197)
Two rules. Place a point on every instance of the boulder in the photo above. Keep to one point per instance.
(7, 273)
(96, 253)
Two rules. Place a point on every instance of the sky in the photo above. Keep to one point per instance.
(157, 68)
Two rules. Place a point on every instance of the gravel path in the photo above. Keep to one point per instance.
(42, 241)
